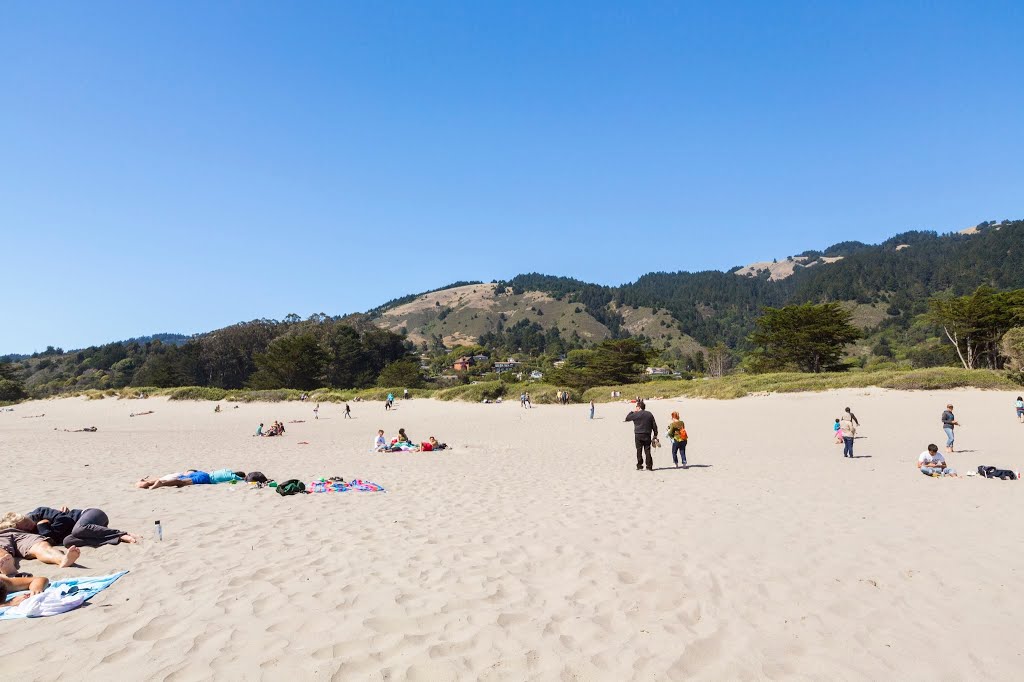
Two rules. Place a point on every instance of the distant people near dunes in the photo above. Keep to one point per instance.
(1019, 404)
(348, 411)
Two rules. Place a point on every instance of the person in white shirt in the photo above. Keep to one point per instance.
(931, 463)
(380, 444)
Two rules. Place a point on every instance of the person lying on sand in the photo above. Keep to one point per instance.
(75, 527)
(140, 414)
(931, 463)
(34, 416)
(190, 477)
(9, 585)
(18, 544)
(87, 429)
(430, 445)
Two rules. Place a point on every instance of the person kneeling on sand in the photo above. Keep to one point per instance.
(8, 585)
(20, 544)
(931, 463)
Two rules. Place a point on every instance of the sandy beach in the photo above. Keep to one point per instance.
(533, 550)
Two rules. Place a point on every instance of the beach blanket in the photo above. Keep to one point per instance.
(357, 485)
(59, 597)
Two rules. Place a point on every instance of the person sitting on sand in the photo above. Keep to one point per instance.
(217, 409)
(76, 527)
(402, 438)
(10, 585)
(380, 444)
(21, 544)
(931, 463)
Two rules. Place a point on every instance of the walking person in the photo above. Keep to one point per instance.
(529, 403)
(677, 432)
(645, 429)
(852, 417)
(591, 409)
(316, 411)
(1020, 409)
(348, 411)
(949, 422)
(849, 432)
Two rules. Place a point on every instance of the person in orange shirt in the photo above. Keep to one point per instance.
(677, 432)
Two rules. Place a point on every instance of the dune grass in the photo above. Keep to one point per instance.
(740, 385)
(725, 388)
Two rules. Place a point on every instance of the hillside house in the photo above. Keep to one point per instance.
(509, 366)
(536, 374)
(658, 371)
(463, 364)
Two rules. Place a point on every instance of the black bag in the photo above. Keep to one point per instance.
(993, 472)
(292, 486)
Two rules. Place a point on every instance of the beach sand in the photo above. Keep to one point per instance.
(533, 549)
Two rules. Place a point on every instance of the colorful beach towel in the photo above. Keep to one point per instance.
(357, 485)
(59, 597)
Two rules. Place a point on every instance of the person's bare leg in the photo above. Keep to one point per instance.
(45, 552)
(174, 483)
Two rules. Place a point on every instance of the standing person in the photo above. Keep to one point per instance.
(591, 409)
(316, 411)
(852, 417)
(948, 423)
(1020, 409)
(522, 400)
(645, 429)
(348, 411)
(405, 394)
(837, 431)
(677, 432)
(529, 403)
(849, 431)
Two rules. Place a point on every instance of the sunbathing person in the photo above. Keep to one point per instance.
(190, 477)
(76, 527)
(87, 429)
(140, 414)
(931, 463)
(8, 585)
(20, 544)
(431, 444)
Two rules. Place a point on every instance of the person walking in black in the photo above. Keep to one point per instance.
(852, 417)
(645, 428)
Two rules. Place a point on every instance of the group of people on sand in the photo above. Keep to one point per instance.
(52, 536)
(524, 400)
(402, 443)
(276, 429)
(645, 436)
(191, 477)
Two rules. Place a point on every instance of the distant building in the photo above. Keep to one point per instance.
(480, 358)
(536, 374)
(500, 367)
(658, 371)
(463, 364)
(558, 363)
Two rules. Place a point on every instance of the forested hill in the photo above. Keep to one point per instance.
(543, 318)
(897, 275)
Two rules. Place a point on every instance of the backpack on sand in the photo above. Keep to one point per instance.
(292, 486)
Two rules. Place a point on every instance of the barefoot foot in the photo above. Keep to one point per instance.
(71, 557)
(128, 537)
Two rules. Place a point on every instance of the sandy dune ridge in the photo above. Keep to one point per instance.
(533, 550)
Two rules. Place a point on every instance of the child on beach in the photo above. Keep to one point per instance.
(380, 444)
(837, 433)
(1020, 409)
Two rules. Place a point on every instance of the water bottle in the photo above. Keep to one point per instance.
(159, 530)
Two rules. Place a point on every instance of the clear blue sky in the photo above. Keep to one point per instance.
(181, 166)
